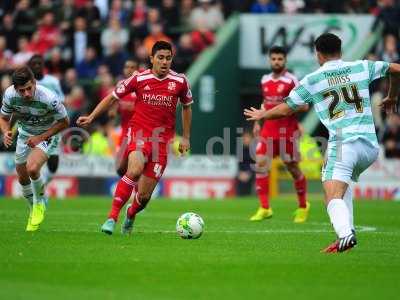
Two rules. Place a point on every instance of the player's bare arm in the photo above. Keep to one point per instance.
(53, 130)
(103, 106)
(389, 104)
(6, 131)
(184, 144)
(280, 111)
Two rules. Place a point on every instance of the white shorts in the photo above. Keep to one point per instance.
(345, 162)
(22, 150)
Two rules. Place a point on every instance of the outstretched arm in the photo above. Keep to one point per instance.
(5, 129)
(389, 104)
(280, 111)
(103, 106)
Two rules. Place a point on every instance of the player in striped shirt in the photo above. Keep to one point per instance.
(339, 92)
(41, 116)
(36, 63)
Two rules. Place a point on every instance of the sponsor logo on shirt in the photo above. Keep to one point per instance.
(158, 100)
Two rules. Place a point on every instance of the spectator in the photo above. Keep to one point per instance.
(91, 14)
(55, 64)
(8, 31)
(105, 88)
(116, 59)
(48, 33)
(156, 34)
(207, 14)
(87, 68)
(390, 52)
(264, 7)
(79, 40)
(117, 11)
(24, 53)
(170, 14)
(185, 11)
(153, 17)
(69, 81)
(356, 6)
(201, 38)
(5, 55)
(75, 102)
(114, 36)
(138, 18)
(389, 16)
(292, 6)
(391, 137)
(24, 17)
(245, 176)
(185, 53)
(65, 15)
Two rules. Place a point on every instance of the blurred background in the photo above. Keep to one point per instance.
(222, 47)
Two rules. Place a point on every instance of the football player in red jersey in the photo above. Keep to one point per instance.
(278, 137)
(158, 92)
(124, 108)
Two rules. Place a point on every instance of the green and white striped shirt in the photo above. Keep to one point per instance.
(35, 116)
(340, 94)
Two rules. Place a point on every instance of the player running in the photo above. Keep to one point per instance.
(278, 137)
(41, 116)
(36, 63)
(341, 98)
(158, 92)
(125, 108)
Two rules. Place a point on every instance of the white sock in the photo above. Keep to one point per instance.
(37, 188)
(348, 199)
(339, 215)
(47, 175)
(27, 193)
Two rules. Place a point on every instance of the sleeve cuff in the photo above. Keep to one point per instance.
(115, 95)
(291, 104)
(187, 104)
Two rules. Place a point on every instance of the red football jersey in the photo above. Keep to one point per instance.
(274, 91)
(126, 108)
(155, 106)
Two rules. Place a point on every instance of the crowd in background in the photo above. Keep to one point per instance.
(86, 42)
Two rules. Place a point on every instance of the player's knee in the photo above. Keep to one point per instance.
(294, 170)
(52, 163)
(33, 169)
(132, 172)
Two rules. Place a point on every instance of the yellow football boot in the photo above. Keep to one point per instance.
(261, 214)
(301, 214)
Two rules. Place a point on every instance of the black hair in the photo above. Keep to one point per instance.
(328, 43)
(277, 50)
(35, 56)
(22, 76)
(161, 45)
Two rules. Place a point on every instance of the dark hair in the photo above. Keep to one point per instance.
(277, 50)
(35, 56)
(328, 43)
(22, 76)
(161, 45)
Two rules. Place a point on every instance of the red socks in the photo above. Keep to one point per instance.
(136, 207)
(262, 189)
(122, 194)
(301, 188)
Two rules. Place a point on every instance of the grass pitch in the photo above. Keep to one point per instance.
(234, 259)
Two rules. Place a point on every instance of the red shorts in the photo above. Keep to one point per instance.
(155, 154)
(287, 149)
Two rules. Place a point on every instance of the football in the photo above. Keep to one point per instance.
(190, 226)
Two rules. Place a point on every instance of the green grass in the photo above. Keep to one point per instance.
(235, 259)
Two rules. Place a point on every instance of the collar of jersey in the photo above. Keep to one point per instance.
(333, 62)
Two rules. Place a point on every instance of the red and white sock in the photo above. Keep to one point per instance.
(123, 192)
(136, 206)
(301, 188)
(262, 189)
